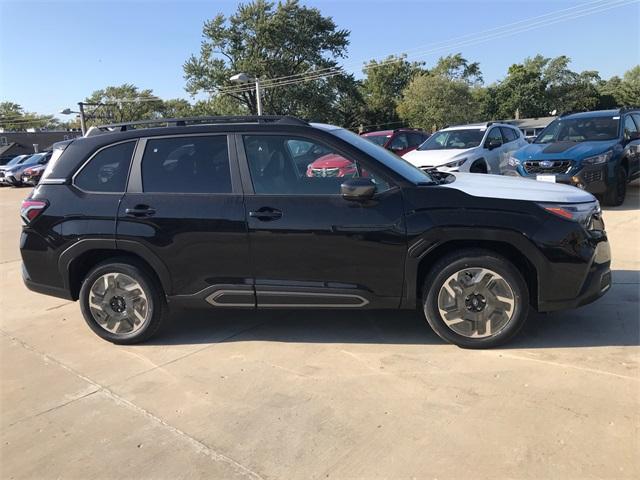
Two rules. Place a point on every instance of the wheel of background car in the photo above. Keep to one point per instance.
(475, 299)
(122, 302)
(617, 192)
(478, 167)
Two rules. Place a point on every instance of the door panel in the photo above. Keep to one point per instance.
(185, 206)
(320, 249)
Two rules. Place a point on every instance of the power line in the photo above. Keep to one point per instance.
(499, 32)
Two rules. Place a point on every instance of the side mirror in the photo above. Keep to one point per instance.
(634, 136)
(358, 189)
(491, 144)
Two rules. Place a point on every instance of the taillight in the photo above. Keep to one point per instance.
(31, 209)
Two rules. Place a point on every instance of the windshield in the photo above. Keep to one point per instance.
(33, 159)
(580, 130)
(384, 156)
(378, 139)
(17, 160)
(453, 139)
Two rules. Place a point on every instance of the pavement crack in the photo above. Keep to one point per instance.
(197, 444)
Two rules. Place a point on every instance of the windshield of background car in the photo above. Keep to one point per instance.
(17, 160)
(378, 139)
(384, 156)
(33, 159)
(580, 130)
(453, 139)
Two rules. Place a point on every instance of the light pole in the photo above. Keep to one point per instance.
(244, 78)
(81, 105)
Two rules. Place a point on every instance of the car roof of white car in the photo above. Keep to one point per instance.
(476, 126)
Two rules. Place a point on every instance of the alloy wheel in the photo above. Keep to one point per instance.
(476, 302)
(118, 303)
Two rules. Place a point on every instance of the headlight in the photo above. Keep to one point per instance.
(581, 213)
(513, 162)
(598, 159)
(455, 163)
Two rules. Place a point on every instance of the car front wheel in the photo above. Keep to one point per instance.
(122, 303)
(475, 299)
(618, 191)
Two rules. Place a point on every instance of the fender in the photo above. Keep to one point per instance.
(88, 244)
(421, 246)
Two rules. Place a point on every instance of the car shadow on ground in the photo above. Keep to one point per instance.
(607, 322)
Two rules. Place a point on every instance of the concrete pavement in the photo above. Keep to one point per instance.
(299, 395)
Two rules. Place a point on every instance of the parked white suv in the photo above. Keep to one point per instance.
(478, 148)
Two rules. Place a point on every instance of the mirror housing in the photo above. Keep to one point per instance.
(634, 136)
(491, 144)
(358, 189)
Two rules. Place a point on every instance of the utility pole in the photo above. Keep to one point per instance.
(258, 97)
(82, 123)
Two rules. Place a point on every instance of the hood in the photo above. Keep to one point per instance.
(564, 150)
(514, 188)
(434, 158)
(331, 161)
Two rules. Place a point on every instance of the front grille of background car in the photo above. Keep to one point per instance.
(557, 166)
(592, 176)
(325, 172)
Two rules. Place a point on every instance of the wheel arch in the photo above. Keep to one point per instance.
(513, 252)
(81, 257)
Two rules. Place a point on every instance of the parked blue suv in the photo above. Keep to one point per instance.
(596, 151)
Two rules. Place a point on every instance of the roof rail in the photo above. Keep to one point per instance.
(189, 121)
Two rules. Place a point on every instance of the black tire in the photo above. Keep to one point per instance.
(615, 195)
(156, 310)
(455, 262)
(478, 167)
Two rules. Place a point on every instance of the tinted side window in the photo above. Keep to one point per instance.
(399, 141)
(509, 134)
(494, 134)
(415, 139)
(107, 171)
(629, 127)
(186, 165)
(283, 165)
(636, 118)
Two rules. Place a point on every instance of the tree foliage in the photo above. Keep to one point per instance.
(271, 41)
(14, 118)
(124, 103)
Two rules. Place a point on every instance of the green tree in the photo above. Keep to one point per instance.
(14, 118)
(449, 93)
(124, 103)
(175, 108)
(271, 41)
(629, 90)
(433, 101)
(382, 89)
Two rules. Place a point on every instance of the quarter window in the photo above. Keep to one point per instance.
(186, 165)
(282, 165)
(107, 171)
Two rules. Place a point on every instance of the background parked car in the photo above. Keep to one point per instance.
(598, 151)
(479, 148)
(31, 175)
(9, 165)
(399, 141)
(13, 174)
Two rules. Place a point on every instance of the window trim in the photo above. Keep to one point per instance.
(135, 179)
(104, 147)
(247, 183)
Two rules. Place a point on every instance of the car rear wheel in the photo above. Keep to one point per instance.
(615, 195)
(475, 299)
(122, 303)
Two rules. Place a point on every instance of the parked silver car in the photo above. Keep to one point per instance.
(12, 174)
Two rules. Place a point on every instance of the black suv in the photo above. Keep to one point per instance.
(217, 212)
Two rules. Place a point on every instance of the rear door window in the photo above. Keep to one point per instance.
(107, 171)
(189, 164)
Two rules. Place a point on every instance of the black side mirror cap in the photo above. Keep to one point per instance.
(358, 189)
(493, 144)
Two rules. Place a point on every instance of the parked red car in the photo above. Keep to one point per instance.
(31, 176)
(399, 141)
